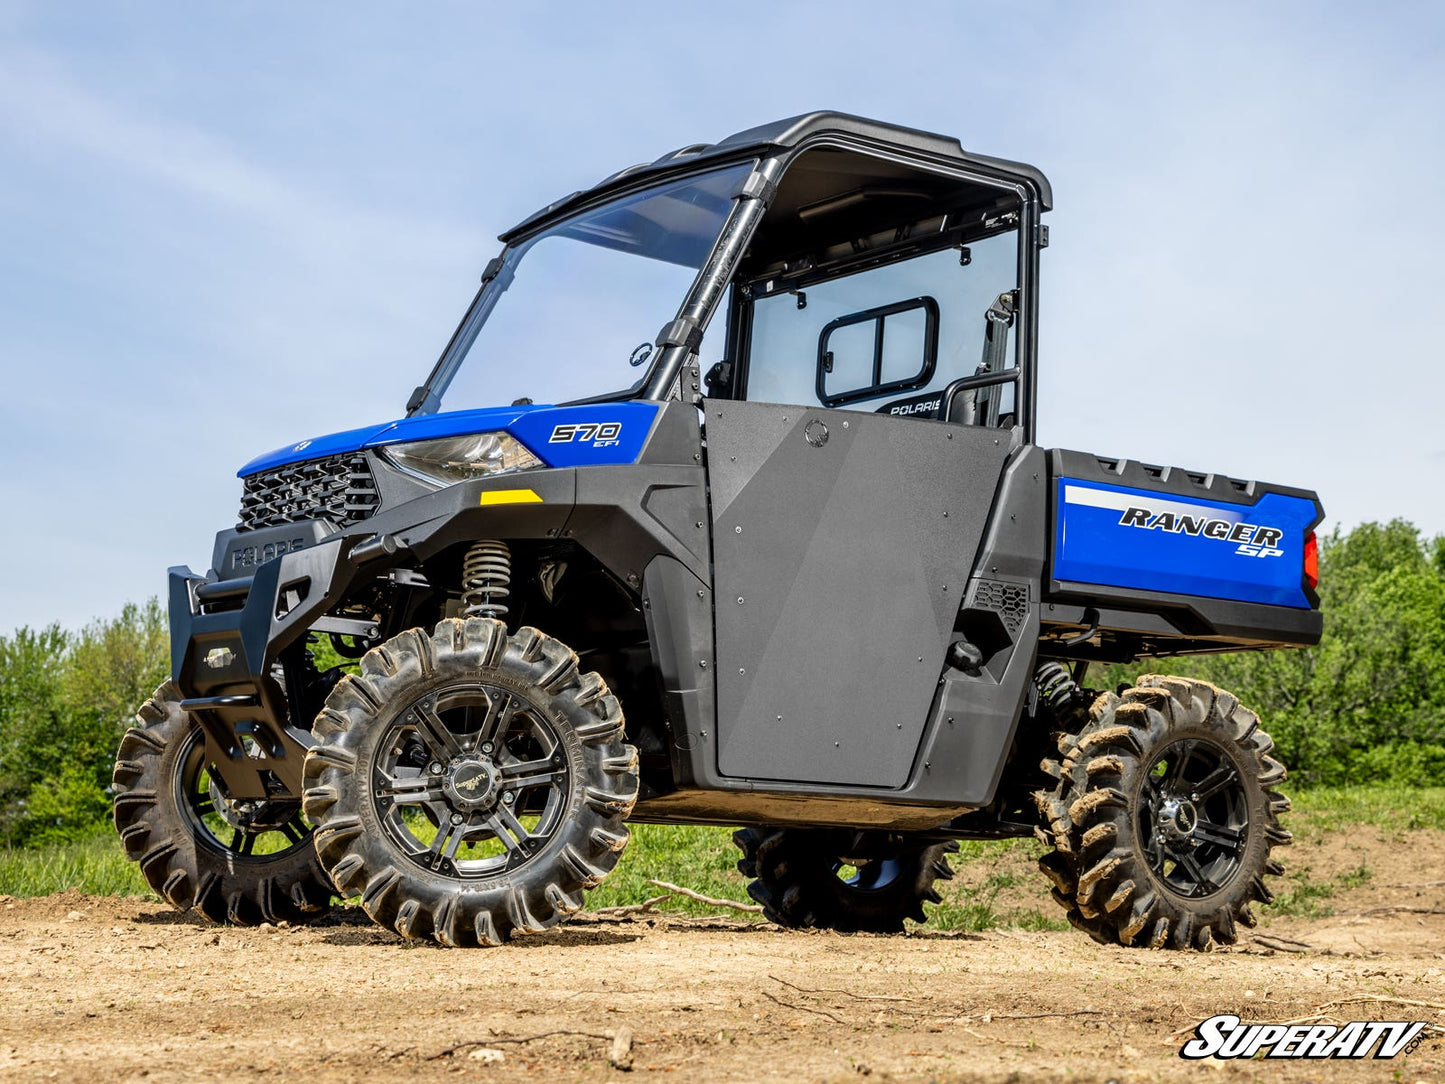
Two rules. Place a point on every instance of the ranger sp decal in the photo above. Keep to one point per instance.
(1150, 541)
(1251, 539)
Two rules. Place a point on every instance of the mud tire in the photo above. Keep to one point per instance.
(1113, 862)
(795, 876)
(356, 837)
(181, 860)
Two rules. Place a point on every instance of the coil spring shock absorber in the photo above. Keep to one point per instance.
(486, 579)
(1062, 696)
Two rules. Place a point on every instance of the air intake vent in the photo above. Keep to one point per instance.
(339, 490)
(1009, 600)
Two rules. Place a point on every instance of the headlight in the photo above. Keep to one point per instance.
(460, 459)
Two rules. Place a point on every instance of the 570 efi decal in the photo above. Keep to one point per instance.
(597, 434)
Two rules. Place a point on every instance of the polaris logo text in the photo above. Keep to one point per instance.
(1252, 539)
(928, 406)
(1224, 1036)
(597, 434)
(252, 556)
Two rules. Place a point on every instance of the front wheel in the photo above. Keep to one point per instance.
(1164, 816)
(238, 861)
(469, 784)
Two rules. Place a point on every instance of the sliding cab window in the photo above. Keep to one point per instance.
(893, 338)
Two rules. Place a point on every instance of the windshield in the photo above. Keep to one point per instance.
(572, 306)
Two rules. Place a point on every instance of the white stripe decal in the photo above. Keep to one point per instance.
(1122, 502)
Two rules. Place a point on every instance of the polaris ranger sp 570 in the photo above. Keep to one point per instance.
(793, 562)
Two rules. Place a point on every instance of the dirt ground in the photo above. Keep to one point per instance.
(108, 989)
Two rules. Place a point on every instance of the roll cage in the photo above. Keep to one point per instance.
(829, 194)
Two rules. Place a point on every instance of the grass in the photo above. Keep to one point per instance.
(703, 859)
(96, 866)
(997, 884)
(1302, 895)
(1326, 810)
(700, 858)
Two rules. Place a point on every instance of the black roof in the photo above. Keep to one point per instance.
(782, 135)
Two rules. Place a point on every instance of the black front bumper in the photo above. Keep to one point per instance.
(226, 636)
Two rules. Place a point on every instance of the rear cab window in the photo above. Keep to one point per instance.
(891, 338)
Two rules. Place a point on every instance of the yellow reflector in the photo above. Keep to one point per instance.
(510, 496)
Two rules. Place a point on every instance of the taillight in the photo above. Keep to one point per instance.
(1312, 561)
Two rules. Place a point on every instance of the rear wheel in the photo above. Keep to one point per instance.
(841, 880)
(1164, 816)
(470, 784)
(243, 862)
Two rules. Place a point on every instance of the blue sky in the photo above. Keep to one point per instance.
(229, 227)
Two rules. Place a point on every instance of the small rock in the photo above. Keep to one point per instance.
(487, 1055)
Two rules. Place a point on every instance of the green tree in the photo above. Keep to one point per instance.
(32, 672)
(65, 701)
(1369, 701)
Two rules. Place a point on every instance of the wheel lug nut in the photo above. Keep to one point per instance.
(457, 818)
(486, 747)
(508, 798)
(434, 768)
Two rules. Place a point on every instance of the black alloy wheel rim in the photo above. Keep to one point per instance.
(471, 781)
(1193, 817)
(244, 828)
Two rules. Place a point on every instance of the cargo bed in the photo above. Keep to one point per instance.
(1147, 560)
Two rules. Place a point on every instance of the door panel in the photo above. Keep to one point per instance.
(842, 545)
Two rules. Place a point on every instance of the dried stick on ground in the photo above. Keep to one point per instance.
(645, 907)
(1316, 1018)
(845, 993)
(449, 1051)
(619, 1056)
(671, 891)
(1281, 944)
(993, 1038)
(805, 1008)
(711, 901)
(1400, 911)
(1359, 998)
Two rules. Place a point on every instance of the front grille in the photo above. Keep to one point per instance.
(339, 489)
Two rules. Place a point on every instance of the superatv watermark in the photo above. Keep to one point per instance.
(1225, 1036)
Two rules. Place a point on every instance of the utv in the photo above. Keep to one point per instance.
(794, 562)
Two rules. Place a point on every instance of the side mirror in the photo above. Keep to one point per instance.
(878, 351)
